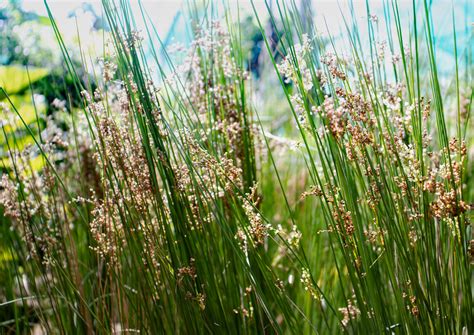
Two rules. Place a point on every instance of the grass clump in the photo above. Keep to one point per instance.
(171, 204)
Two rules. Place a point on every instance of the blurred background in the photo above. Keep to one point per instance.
(33, 74)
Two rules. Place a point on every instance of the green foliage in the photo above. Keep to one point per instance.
(15, 82)
(15, 79)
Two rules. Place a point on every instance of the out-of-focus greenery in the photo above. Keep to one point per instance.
(28, 40)
(32, 72)
(23, 36)
(16, 81)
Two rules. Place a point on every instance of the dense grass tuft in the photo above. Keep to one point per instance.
(329, 193)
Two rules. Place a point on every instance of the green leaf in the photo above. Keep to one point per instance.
(44, 20)
(26, 108)
(14, 78)
(16, 136)
(37, 163)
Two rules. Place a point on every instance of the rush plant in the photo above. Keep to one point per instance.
(175, 200)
